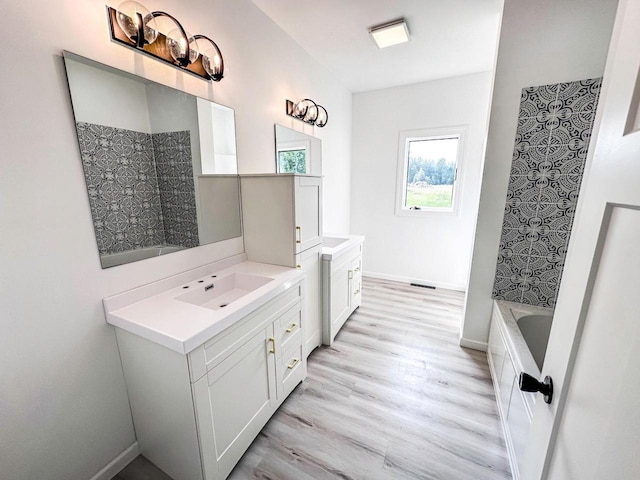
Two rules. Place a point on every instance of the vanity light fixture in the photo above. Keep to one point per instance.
(391, 33)
(308, 111)
(131, 24)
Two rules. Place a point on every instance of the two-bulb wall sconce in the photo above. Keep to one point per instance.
(133, 25)
(308, 111)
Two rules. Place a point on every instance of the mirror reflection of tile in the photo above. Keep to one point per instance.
(160, 164)
(141, 188)
(552, 141)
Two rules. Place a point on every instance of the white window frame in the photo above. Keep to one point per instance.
(406, 136)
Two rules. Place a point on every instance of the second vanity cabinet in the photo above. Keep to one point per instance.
(196, 414)
(342, 287)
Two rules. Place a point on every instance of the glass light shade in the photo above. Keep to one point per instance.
(128, 20)
(212, 63)
(322, 117)
(300, 108)
(312, 114)
(177, 46)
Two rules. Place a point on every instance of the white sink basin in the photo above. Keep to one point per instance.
(224, 290)
(336, 245)
(332, 242)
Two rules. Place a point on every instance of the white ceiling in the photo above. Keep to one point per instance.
(448, 37)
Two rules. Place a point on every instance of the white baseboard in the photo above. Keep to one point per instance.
(473, 344)
(421, 281)
(118, 463)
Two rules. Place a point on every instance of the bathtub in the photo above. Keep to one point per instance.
(517, 343)
(119, 258)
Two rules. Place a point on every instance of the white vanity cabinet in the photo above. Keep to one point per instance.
(282, 219)
(196, 414)
(342, 286)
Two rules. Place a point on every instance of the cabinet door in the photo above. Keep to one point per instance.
(234, 401)
(308, 212)
(339, 300)
(311, 262)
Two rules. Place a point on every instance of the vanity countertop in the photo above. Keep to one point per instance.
(331, 251)
(181, 326)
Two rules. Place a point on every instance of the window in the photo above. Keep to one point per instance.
(428, 170)
(292, 160)
(293, 154)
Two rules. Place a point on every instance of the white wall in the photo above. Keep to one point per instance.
(541, 42)
(173, 111)
(432, 249)
(64, 412)
(217, 138)
(273, 69)
(104, 98)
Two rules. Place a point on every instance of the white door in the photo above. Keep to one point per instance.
(591, 430)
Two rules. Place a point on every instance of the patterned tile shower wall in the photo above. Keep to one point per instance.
(177, 192)
(123, 190)
(554, 129)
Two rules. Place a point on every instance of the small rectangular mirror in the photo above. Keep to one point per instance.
(297, 152)
(159, 164)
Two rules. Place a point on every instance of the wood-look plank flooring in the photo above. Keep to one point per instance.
(395, 397)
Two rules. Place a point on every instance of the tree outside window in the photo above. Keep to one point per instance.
(292, 161)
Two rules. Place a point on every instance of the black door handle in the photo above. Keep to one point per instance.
(531, 384)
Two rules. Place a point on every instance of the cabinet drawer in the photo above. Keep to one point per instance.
(291, 370)
(288, 329)
(207, 356)
(356, 266)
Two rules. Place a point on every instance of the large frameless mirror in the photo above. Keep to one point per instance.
(159, 164)
(297, 152)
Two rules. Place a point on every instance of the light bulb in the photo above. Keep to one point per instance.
(128, 20)
(300, 108)
(177, 45)
(312, 113)
(212, 63)
(323, 116)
